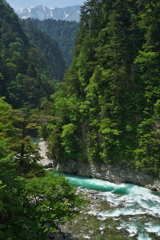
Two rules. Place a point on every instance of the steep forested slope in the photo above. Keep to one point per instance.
(29, 196)
(49, 51)
(110, 103)
(64, 32)
(32, 202)
(28, 71)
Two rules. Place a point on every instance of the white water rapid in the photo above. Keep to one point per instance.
(124, 211)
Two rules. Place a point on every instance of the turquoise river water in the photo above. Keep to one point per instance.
(124, 211)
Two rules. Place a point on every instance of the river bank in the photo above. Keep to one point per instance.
(116, 211)
(117, 174)
(66, 231)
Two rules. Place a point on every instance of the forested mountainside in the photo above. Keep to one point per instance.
(49, 50)
(31, 66)
(31, 62)
(109, 107)
(107, 110)
(64, 32)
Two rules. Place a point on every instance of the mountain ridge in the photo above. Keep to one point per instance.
(70, 13)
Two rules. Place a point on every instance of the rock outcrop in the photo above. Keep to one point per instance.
(45, 161)
(116, 174)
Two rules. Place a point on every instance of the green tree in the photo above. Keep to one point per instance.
(111, 90)
(55, 202)
(14, 128)
(31, 64)
(64, 32)
(29, 210)
(30, 206)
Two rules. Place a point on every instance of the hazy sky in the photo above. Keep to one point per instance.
(21, 4)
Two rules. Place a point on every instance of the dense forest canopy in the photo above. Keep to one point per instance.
(31, 62)
(32, 202)
(64, 32)
(109, 104)
(106, 111)
(51, 55)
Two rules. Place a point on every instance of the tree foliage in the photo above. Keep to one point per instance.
(31, 64)
(29, 210)
(111, 90)
(64, 32)
(32, 202)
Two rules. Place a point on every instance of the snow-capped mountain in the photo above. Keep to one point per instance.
(40, 12)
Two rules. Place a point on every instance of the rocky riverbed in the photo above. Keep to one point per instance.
(66, 231)
(114, 216)
(132, 214)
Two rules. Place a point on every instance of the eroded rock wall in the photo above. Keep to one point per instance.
(110, 173)
(116, 174)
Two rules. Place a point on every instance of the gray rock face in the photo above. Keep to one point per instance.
(45, 161)
(116, 174)
(110, 173)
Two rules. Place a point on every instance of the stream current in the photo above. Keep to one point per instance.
(116, 212)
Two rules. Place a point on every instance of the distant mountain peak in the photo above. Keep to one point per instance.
(70, 13)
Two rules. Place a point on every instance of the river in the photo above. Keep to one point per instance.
(116, 212)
